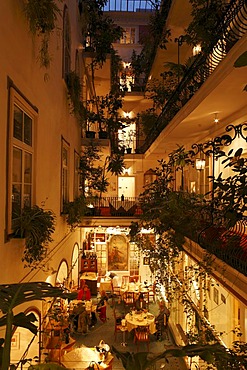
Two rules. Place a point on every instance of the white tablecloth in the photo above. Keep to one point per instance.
(143, 319)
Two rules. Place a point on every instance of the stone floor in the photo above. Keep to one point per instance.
(105, 331)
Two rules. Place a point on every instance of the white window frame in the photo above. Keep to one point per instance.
(17, 100)
(66, 43)
(76, 174)
(64, 173)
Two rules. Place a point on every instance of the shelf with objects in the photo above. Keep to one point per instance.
(56, 329)
(89, 269)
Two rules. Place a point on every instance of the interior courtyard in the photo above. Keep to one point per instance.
(123, 142)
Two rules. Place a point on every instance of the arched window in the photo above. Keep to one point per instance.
(66, 43)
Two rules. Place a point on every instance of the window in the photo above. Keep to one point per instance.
(76, 174)
(65, 173)
(128, 36)
(21, 156)
(66, 43)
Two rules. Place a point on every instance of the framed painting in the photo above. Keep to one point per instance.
(118, 253)
(146, 260)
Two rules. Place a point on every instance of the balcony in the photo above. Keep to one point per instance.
(231, 30)
(115, 207)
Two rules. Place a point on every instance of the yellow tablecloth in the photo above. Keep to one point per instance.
(106, 286)
(143, 319)
(80, 358)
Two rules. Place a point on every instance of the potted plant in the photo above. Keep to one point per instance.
(42, 17)
(129, 140)
(36, 226)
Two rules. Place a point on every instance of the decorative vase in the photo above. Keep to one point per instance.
(128, 150)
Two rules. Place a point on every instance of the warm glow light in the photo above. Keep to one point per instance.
(200, 164)
(216, 119)
(197, 49)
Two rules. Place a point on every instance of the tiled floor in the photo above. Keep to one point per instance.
(105, 331)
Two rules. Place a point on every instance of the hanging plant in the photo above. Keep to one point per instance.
(74, 95)
(42, 16)
(36, 226)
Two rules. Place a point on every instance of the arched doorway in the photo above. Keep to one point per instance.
(25, 342)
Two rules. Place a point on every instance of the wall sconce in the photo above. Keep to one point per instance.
(200, 164)
(216, 119)
(196, 49)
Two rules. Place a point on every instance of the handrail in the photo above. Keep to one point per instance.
(232, 28)
(115, 207)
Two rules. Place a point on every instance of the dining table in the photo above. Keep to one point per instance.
(82, 357)
(135, 288)
(142, 318)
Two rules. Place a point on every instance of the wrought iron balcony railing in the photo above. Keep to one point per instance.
(232, 29)
(115, 207)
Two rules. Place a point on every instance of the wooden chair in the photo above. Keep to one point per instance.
(102, 313)
(125, 280)
(142, 334)
(152, 292)
(146, 298)
(135, 279)
(118, 324)
(128, 299)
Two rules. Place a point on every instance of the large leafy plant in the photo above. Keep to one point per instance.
(42, 17)
(11, 296)
(36, 225)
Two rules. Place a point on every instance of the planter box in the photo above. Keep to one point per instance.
(90, 134)
(103, 135)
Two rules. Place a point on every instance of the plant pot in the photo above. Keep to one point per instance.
(103, 135)
(90, 134)
(128, 150)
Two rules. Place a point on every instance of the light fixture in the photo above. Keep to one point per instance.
(197, 49)
(200, 164)
(216, 119)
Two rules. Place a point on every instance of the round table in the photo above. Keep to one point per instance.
(133, 320)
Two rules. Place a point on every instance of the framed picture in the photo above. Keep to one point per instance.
(118, 253)
(15, 341)
(100, 237)
(146, 260)
(216, 296)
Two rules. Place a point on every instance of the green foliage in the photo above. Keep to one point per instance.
(42, 17)
(115, 164)
(155, 37)
(75, 211)
(205, 27)
(100, 30)
(230, 194)
(147, 120)
(36, 226)
(74, 93)
(214, 354)
(13, 295)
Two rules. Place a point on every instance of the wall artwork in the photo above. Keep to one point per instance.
(118, 253)
(15, 341)
(146, 260)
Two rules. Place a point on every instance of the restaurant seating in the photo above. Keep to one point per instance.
(135, 279)
(102, 313)
(152, 292)
(118, 324)
(128, 299)
(142, 335)
(125, 280)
